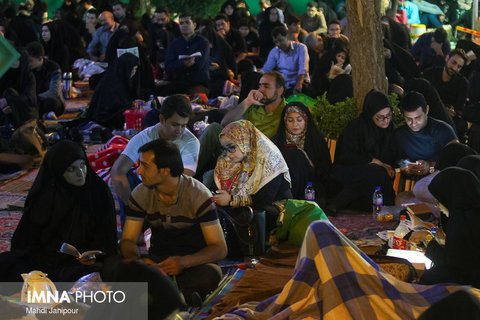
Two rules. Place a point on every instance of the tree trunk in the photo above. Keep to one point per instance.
(366, 49)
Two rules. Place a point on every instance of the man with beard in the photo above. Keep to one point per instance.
(421, 138)
(98, 46)
(187, 238)
(262, 107)
(452, 87)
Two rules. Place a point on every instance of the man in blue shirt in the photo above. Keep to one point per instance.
(290, 59)
(187, 73)
(421, 138)
(98, 46)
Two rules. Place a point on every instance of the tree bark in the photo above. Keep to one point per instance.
(366, 49)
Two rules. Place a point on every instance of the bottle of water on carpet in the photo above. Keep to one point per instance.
(309, 192)
(377, 202)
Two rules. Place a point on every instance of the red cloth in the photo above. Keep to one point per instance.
(103, 160)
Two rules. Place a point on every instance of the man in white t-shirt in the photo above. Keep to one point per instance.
(174, 116)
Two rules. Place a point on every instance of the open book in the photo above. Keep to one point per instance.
(185, 56)
(87, 255)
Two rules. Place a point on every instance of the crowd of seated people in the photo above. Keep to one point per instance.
(261, 149)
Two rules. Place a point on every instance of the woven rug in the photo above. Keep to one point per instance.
(21, 185)
(8, 223)
(362, 228)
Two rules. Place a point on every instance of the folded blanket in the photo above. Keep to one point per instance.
(333, 279)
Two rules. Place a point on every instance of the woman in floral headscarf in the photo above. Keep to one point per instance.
(251, 171)
(305, 150)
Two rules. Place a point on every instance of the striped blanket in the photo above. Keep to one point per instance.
(333, 279)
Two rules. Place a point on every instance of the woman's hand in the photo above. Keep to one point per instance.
(419, 236)
(390, 171)
(222, 198)
(335, 70)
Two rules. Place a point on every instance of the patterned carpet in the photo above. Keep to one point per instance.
(8, 223)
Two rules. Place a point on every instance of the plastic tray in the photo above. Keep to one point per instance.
(8, 55)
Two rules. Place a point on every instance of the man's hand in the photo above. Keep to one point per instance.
(254, 97)
(222, 198)
(7, 110)
(213, 66)
(419, 168)
(172, 265)
(450, 111)
(188, 62)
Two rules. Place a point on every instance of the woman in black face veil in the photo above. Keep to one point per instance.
(68, 203)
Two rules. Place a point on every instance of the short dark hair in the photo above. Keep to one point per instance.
(292, 19)
(93, 11)
(187, 15)
(280, 30)
(459, 52)
(162, 10)
(312, 4)
(167, 155)
(35, 49)
(221, 16)
(177, 103)
(279, 78)
(440, 35)
(412, 101)
(116, 3)
(334, 21)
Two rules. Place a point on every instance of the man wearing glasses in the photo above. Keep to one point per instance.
(421, 138)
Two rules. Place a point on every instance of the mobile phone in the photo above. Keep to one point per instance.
(404, 163)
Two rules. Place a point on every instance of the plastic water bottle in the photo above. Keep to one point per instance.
(377, 202)
(309, 192)
(400, 232)
(433, 231)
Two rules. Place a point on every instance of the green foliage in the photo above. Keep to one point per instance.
(331, 119)
(200, 9)
(398, 119)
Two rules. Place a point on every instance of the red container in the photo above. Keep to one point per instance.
(134, 118)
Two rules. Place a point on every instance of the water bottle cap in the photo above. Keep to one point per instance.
(377, 188)
(309, 184)
(433, 229)
(402, 217)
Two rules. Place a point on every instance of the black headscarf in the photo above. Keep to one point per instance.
(265, 32)
(451, 154)
(371, 141)
(56, 49)
(18, 86)
(315, 145)
(436, 106)
(115, 93)
(57, 212)
(472, 163)
(459, 191)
